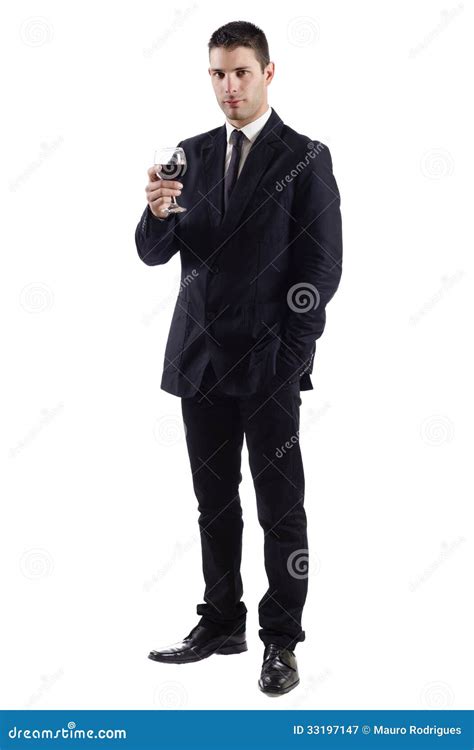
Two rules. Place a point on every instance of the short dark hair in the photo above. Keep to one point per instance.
(242, 34)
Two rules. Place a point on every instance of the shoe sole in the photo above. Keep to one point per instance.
(226, 650)
(237, 649)
(276, 693)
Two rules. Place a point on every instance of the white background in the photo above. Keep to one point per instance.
(100, 556)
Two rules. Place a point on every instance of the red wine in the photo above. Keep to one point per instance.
(172, 171)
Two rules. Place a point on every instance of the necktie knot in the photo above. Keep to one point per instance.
(236, 138)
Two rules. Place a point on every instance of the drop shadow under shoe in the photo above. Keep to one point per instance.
(199, 644)
(279, 671)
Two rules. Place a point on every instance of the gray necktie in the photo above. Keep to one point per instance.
(236, 139)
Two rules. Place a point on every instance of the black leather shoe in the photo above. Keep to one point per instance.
(279, 670)
(199, 644)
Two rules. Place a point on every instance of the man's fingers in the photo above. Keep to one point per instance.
(160, 206)
(160, 203)
(154, 192)
(152, 174)
(175, 184)
(159, 192)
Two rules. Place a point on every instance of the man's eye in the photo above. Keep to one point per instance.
(221, 75)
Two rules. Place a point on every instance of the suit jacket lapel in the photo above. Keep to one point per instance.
(213, 162)
(259, 158)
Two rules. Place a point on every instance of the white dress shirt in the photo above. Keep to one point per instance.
(250, 131)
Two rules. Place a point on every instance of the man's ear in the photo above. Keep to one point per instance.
(269, 73)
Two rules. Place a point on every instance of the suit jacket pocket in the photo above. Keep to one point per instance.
(265, 323)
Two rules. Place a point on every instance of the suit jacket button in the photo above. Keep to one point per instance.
(215, 269)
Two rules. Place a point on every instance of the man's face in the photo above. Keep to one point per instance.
(239, 83)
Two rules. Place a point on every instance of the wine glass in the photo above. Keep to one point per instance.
(170, 164)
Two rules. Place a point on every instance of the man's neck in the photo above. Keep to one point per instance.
(242, 123)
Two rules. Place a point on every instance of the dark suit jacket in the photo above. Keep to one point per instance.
(256, 280)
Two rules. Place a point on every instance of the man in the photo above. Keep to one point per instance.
(261, 253)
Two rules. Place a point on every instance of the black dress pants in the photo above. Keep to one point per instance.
(215, 427)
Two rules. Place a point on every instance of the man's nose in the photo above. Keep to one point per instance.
(230, 84)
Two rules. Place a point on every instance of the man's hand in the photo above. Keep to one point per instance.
(159, 192)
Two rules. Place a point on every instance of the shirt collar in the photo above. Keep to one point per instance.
(252, 129)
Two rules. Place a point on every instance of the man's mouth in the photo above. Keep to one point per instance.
(233, 102)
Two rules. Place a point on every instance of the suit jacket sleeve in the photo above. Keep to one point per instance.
(316, 265)
(155, 238)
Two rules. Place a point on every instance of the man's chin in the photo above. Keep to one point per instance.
(235, 113)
